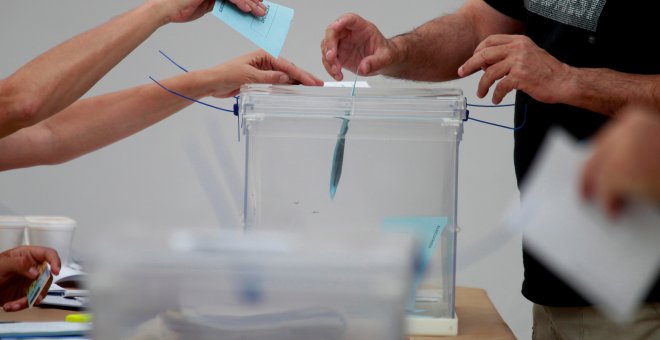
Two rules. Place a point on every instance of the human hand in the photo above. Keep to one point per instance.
(189, 10)
(257, 67)
(18, 268)
(182, 10)
(256, 7)
(626, 161)
(519, 64)
(353, 43)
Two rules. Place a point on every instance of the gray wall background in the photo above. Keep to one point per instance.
(149, 180)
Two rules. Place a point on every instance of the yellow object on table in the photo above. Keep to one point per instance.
(78, 317)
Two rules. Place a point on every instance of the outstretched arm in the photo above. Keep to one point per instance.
(432, 52)
(60, 76)
(92, 123)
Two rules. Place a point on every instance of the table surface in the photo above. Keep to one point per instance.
(477, 317)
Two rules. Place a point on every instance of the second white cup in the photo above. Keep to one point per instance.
(54, 232)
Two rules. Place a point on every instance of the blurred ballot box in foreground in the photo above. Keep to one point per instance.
(257, 286)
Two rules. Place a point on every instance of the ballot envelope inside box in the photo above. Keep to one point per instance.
(381, 160)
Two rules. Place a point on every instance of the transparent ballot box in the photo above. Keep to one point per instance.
(260, 286)
(378, 160)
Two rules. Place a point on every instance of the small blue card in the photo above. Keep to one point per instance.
(268, 32)
(427, 231)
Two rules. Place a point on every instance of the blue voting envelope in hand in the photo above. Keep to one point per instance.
(268, 32)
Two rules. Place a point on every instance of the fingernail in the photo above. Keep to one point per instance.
(327, 54)
(33, 271)
(460, 71)
(284, 78)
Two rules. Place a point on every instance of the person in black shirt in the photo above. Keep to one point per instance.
(574, 64)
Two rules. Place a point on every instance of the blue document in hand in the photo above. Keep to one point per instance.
(268, 32)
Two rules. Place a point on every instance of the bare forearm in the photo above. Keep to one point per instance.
(607, 91)
(58, 77)
(93, 123)
(435, 50)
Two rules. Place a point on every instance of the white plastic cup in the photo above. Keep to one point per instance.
(12, 229)
(54, 232)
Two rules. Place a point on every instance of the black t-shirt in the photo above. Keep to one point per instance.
(614, 34)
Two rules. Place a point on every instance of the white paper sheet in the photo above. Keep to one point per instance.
(613, 263)
(43, 329)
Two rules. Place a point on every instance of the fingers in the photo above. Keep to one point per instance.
(491, 75)
(26, 260)
(41, 254)
(19, 261)
(607, 188)
(497, 40)
(490, 51)
(496, 66)
(482, 59)
(299, 75)
(258, 67)
(329, 53)
(334, 34)
(16, 305)
(593, 187)
(587, 177)
(348, 21)
(612, 204)
(493, 61)
(503, 88)
(255, 7)
(598, 180)
(273, 77)
(370, 65)
(606, 191)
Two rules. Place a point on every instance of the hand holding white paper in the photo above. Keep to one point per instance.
(612, 263)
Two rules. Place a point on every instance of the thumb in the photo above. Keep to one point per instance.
(373, 64)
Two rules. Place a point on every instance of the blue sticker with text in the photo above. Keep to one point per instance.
(427, 231)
